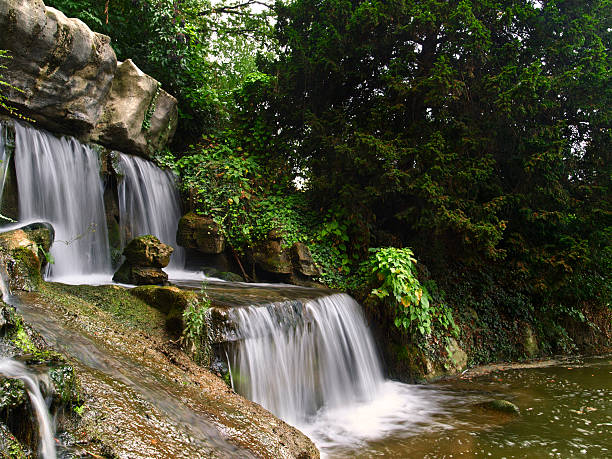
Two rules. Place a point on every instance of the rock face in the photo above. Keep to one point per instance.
(271, 256)
(70, 82)
(302, 260)
(200, 233)
(63, 68)
(138, 115)
(144, 258)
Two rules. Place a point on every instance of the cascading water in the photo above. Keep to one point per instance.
(149, 204)
(315, 366)
(299, 358)
(59, 182)
(4, 159)
(10, 368)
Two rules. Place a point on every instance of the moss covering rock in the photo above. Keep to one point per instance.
(144, 258)
(23, 253)
(501, 406)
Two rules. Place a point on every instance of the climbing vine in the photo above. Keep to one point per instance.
(146, 122)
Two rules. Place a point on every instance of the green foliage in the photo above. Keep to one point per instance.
(195, 329)
(471, 131)
(395, 274)
(195, 321)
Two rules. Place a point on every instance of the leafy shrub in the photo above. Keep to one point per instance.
(394, 270)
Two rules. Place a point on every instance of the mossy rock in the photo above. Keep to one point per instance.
(501, 406)
(12, 395)
(22, 252)
(200, 233)
(138, 275)
(42, 233)
(147, 251)
(10, 447)
(172, 301)
(272, 257)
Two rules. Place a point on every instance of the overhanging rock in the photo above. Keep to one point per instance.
(69, 81)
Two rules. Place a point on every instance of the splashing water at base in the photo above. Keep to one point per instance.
(59, 182)
(15, 370)
(314, 365)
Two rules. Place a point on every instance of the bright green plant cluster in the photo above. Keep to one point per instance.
(395, 272)
(195, 319)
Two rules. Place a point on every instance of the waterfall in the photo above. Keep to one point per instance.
(16, 370)
(59, 181)
(296, 358)
(149, 203)
(4, 159)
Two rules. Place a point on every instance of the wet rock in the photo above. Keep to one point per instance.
(23, 252)
(64, 70)
(144, 258)
(172, 301)
(223, 275)
(138, 275)
(200, 233)
(302, 260)
(42, 233)
(147, 251)
(501, 406)
(138, 116)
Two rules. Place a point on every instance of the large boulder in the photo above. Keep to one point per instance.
(272, 257)
(138, 116)
(63, 69)
(68, 80)
(147, 251)
(200, 233)
(144, 258)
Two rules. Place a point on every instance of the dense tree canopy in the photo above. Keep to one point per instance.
(478, 131)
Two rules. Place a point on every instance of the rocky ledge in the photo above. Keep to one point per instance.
(69, 81)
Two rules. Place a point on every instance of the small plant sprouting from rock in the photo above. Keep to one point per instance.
(195, 320)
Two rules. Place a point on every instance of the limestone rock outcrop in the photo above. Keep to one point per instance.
(144, 258)
(69, 81)
(63, 69)
(138, 114)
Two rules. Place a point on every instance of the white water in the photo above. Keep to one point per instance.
(59, 182)
(16, 370)
(315, 366)
(4, 159)
(149, 203)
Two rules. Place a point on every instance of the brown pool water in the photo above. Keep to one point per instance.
(565, 412)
